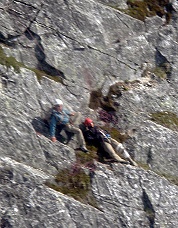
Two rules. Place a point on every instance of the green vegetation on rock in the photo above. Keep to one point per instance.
(40, 74)
(12, 62)
(172, 179)
(9, 61)
(166, 119)
(116, 134)
(140, 9)
(160, 72)
(76, 180)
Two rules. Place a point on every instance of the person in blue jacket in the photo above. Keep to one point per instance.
(68, 120)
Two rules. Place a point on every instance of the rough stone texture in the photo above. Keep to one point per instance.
(27, 202)
(134, 194)
(150, 140)
(137, 199)
(89, 45)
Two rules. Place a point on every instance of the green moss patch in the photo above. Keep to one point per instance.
(166, 119)
(160, 72)
(9, 61)
(143, 165)
(170, 178)
(116, 134)
(40, 74)
(87, 158)
(12, 62)
(76, 180)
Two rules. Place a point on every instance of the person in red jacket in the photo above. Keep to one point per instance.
(98, 136)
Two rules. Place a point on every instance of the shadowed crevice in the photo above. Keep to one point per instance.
(148, 208)
(40, 55)
(149, 156)
(9, 41)
(163, 64)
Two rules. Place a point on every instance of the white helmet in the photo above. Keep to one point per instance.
(58, 102)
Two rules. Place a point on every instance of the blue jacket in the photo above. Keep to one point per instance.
(62, 117)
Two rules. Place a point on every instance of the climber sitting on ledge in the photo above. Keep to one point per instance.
(98, 136)
(67, 120)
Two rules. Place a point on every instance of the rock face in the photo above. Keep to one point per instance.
(68, 50)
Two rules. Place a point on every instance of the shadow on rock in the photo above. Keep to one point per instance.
(41, 127)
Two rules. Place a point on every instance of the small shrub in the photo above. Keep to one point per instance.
(148, 8)
(108, 116)
(107, 102)
(75, 182)
(95, 99)
(137, 9)
(160, 72)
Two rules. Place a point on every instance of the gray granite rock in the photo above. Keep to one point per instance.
(87, 46)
